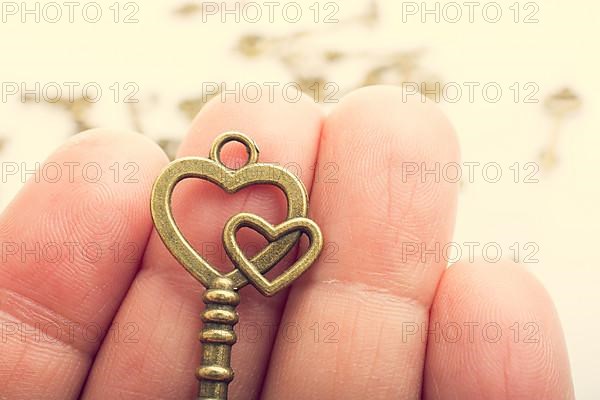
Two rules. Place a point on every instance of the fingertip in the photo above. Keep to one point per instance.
(376, 148)
(505, 282)
(92, 193)
(279, 125)
(117, 141)
(496, 333)
(237, 103)
(385, 110)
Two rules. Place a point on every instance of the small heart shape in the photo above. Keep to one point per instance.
(271, 233)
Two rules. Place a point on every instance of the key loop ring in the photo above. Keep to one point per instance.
(221, 140)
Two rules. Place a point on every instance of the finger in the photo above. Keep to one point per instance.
(72, 241)
(494, 334)
(165, 302)
(350, 306)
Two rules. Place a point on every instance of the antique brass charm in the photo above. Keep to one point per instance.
(221, 297)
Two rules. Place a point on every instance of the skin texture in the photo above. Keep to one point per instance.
(367, 320)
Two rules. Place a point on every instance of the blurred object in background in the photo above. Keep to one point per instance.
(559, 106)
(169, 146)
(78, 110)
(191, 107)
(188, 9)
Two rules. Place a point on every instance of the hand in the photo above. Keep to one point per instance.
(91, 302)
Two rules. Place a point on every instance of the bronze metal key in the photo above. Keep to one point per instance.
(221, 296)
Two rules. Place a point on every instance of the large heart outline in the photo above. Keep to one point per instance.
(272, 233)
(231, 181)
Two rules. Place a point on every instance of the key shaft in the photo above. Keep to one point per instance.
(217, 337)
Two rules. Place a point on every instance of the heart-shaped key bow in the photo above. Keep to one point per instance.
(221, 296)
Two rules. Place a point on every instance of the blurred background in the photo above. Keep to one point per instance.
(519, 81)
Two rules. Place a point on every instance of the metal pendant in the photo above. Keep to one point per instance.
(221, 297)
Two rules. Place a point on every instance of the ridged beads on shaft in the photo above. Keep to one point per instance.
(217, 337)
